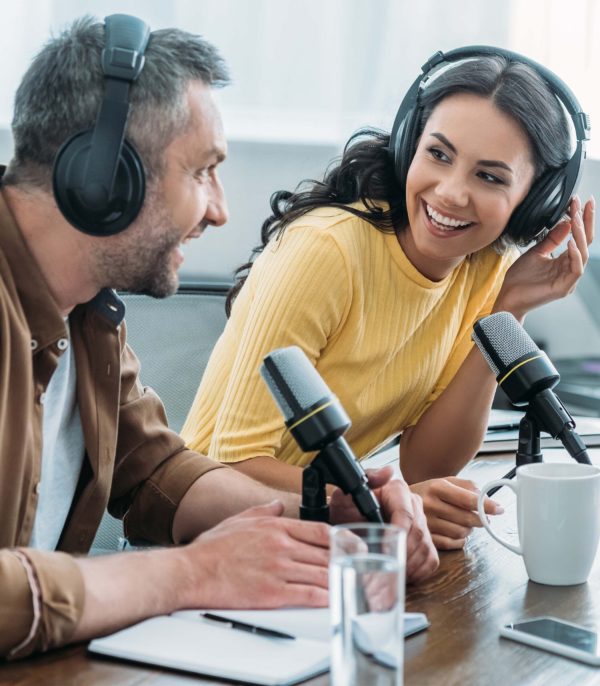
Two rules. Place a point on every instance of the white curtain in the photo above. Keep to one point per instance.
(23, 29)
(318, 69)
(314, 70)
(564, 35)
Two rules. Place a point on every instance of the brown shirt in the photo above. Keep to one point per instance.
(133, 463)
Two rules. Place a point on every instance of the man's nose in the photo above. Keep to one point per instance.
(217, 212)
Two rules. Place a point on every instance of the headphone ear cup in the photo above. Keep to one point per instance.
(402, 147)
(73, 198)
(403, 135)
(408, 144)
(541, 209)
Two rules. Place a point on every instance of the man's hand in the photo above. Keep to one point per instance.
(450, 506)
(400, 507)
(255, 559)
(258, 559)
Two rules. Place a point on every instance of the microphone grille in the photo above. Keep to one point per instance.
(502, 340)
(293, 381)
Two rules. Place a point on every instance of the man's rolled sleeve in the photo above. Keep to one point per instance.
(153, 467)
(152, 512)
(62, 595)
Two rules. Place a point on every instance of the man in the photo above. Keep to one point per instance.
(77, 430)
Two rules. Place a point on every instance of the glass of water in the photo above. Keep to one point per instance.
(366, 586)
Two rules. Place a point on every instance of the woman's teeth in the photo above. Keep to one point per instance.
(445, 223)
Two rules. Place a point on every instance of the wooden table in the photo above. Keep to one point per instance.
(474, 592)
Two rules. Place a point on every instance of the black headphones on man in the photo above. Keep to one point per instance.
(98, 177)
(550, 194)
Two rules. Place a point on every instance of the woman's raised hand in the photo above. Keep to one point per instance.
(537, 277)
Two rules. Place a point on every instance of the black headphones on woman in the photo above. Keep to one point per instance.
(550, 194)
(98, 177)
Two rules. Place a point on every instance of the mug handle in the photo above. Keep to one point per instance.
(484, 520)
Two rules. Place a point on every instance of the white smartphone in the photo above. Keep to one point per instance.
(556, 636)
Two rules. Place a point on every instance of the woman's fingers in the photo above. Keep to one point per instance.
(589, 212)
(554, 239)
(450, 513)
(443, 527)
(445, 543)
(462, 494)
(576, 265)
(579, 234)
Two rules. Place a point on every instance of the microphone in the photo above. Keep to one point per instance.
(317, 421)
(527, 376)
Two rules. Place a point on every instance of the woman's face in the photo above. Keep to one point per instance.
(472, 167)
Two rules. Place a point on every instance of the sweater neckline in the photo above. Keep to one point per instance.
(409, 270)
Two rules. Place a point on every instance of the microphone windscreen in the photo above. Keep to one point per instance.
(293, 381)
(502, 341)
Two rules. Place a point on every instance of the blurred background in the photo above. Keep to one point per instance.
(307, 73)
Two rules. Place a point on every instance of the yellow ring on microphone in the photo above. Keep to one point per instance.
(530, 359)
(322, 407)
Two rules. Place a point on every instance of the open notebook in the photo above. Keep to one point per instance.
(187, 641)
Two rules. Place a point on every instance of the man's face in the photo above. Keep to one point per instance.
(186, 199)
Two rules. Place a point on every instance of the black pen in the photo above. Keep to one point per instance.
(242, 626)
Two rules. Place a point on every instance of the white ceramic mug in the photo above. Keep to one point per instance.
(558, 515)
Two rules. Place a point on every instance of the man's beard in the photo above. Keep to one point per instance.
(140, 260)
(153, 272)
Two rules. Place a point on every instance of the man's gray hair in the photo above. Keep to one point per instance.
(61, 93)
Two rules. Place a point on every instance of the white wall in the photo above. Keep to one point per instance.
(566, 327)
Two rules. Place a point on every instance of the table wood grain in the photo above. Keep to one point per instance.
(474, 592)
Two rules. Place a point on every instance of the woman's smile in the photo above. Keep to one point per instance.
(442, 224)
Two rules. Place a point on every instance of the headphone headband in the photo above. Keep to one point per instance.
(125, 44)
(581, 121)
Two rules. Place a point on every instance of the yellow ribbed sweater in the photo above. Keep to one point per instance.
(386, 339)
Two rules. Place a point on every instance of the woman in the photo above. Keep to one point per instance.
(379, 273)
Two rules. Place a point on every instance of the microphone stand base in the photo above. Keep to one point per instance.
(314, 514)
(314, 506)
(528, 451)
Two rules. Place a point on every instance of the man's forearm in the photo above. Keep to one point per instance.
(127, 588)
(222, 493)
(243, 563)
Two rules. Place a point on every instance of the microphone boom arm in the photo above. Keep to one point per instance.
(332, 466)
(528, 450)
(554, 418)
(546, 413)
